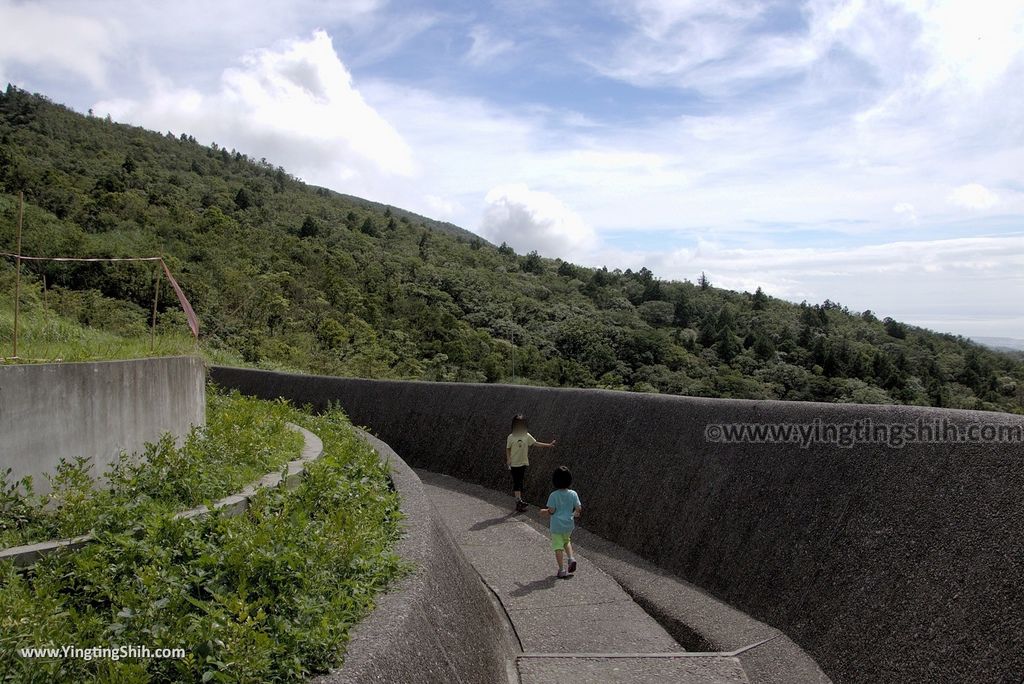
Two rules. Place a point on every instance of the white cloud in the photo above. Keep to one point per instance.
(729, 174)
(533, 220)
(972, 44)
(913, 43)
(296, 105)
(869, 107)
(710, 46)
(906, 211)
(440, 207)
(973, 196)
(486, 46)
(60, 44)
(110, 43)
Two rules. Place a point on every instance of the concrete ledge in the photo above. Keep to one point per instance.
(438, 624)
(237, 504)
(232, 505)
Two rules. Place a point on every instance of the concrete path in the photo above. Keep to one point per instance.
(581, 629)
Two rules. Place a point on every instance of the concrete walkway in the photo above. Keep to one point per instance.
(581, 629)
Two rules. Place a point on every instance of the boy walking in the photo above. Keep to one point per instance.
(564, 507)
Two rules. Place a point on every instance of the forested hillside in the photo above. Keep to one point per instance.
(288, 275)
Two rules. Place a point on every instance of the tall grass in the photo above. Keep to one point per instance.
(45, 336)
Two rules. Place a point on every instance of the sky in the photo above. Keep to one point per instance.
(866, 152)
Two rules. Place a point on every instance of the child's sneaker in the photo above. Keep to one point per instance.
(562, 574)
(572, 565)
(521, 506)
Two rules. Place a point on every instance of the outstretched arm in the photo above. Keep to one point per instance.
(545, 444)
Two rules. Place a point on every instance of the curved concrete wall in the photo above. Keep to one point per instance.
(97, 410)
(885, 564)
(438, 624)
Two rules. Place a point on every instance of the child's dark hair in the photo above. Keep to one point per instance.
(561, 478)
(517, 419)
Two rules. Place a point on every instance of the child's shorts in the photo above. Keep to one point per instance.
(518, 476)
(559, 540)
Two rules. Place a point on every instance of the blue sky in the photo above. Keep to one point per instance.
(862, 151)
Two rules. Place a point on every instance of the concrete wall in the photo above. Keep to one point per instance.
(886, 565)
(439, 623)
(96, 410)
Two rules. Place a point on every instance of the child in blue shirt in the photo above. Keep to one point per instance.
(564, 507)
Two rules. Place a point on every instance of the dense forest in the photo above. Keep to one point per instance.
(287, 275)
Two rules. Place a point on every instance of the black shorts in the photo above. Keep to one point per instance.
(518, 476)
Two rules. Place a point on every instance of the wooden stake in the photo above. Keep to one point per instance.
(17, 275)
(156, 298)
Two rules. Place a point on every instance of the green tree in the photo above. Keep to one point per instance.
(243, 199)
(368, 227)
(310, 228)
(532, 263)
(895, 328)
(759, 302)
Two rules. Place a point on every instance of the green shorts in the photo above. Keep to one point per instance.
(559, 540)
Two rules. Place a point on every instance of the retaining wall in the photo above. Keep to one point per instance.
(438, 624)
(885, 564)
(54, 411)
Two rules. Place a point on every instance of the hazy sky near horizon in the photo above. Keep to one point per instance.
(866, 152)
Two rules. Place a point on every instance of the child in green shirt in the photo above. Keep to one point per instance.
(517, 448)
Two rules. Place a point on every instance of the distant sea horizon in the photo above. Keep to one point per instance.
(1013, 343)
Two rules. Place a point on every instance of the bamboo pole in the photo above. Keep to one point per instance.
(17, 274)
(156, 299)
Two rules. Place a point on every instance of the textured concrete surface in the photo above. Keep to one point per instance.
(96, 410)
(588, 613)
(631, 670)
(699, 621)
(439, 624)
(884, 564)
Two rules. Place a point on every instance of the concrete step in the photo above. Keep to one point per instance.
(625, 670)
